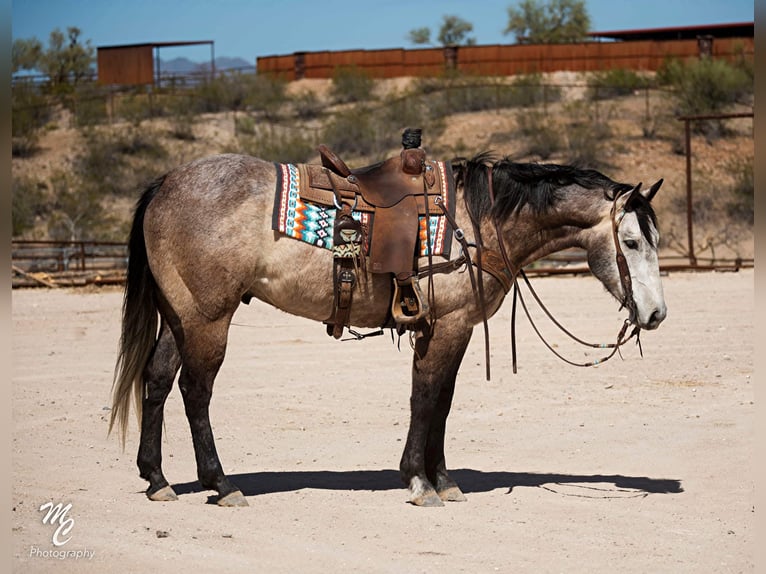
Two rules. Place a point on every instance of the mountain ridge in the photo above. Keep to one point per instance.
(185, 65)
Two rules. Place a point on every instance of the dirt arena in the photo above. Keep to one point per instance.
(638, 465)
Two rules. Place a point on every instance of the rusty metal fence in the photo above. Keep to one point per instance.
(499, 59)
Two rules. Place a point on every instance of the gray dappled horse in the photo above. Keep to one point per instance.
(202, 242)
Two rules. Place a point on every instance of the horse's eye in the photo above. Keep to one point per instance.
(631, 244)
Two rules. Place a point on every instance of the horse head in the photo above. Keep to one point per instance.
(624, 256)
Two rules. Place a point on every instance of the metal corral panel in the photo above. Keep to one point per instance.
(281, 66)
(126, 65)
(382, 63)
(505, 60)
(428, 62)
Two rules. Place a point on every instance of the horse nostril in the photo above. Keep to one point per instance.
(657, 317)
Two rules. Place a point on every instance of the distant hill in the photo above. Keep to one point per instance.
(185, 65)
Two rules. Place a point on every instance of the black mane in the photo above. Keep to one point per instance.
(540, 186)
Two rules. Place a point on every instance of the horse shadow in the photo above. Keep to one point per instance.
(470, 481)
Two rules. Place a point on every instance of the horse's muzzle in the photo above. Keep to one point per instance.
(657, 317)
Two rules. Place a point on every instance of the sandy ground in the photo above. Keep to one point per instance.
(639, 465)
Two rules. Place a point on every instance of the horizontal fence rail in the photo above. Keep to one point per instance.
(80, 263)
(67, 263)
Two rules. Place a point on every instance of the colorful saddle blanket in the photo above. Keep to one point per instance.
(313, 223)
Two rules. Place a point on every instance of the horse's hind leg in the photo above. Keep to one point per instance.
(435, 366)
(203, 352)
(159, 374)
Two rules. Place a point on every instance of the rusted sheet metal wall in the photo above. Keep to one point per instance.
(501, 60)
(282, 66)
(128, 65)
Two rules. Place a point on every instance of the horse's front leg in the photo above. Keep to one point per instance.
(435, 365)
(436, 465)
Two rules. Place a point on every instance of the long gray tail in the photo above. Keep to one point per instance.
(139, 322)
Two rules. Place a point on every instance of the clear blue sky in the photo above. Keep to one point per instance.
(252, 28)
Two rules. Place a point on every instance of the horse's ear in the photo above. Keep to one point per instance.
(626, 197)
(649, 195)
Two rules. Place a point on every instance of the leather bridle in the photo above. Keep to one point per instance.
(487, 260)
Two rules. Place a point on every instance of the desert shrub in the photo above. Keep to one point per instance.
(134, 108)
(471, 95)
(411, 110)
(236, 91)
(88, 105)
(264, 93)
(277, 144)
(614, 83)
(78, 212)
(355, 133)
(455, 93)
(741, 205)
(29, 113)
(181, 117)
(541, 134)
(706, 86)
(210, 96)
(118, 161)
(27, 204)
(532, 90)
(244, 124)
(351, 84)
(588, 133)
(307, 105)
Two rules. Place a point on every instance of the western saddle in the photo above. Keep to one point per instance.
(397, 191)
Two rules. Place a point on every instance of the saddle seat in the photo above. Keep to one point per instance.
(386, 183)
(397, 191)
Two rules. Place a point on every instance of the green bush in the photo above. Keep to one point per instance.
(588, 134)
(531, 90)
(236, 91)
(541, 134)
(134, 108)
(354, 133)
(264, 93)
(88, 104)
(182, 117)
(741, 206)
(27, 203)
(307, 105)
(706, 86)
(118, 161)
(29, 113)
(276, 144)
(351, 84)
(455, 93)
(615, 83)
(78, 213)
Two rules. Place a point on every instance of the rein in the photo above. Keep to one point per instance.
(509, 279)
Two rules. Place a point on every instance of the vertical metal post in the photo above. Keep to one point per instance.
(689, 204)
(212, 60)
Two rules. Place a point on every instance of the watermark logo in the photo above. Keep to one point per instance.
(58, 514)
